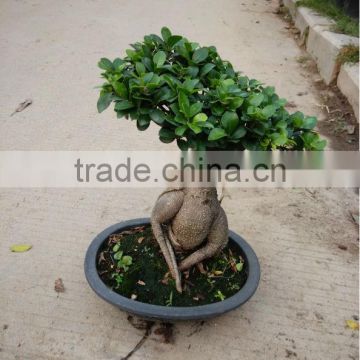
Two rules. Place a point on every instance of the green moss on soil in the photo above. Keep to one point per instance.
(147, 279)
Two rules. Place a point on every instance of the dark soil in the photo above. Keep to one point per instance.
(147, 278)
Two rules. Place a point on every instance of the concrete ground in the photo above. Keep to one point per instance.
(309, 285)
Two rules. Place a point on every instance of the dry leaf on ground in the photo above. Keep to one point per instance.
(352, 324)
(22, 106)
(59, 286)
(20, 248)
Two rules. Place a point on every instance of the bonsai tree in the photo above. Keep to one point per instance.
(198, 100)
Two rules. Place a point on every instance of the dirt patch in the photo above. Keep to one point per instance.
(339, 123)
(131, 264)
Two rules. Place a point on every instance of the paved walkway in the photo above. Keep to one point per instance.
(309, 286)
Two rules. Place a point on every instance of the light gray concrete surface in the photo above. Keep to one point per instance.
(309, 287)
(306, 18)
(348, 83)
(324, 46)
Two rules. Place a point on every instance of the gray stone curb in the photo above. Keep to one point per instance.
(324, 46)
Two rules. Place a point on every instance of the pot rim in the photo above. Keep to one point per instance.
(161, 312)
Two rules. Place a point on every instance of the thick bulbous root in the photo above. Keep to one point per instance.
(164, 210)
(216, 241)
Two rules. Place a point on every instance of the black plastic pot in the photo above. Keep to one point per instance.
(164, 312)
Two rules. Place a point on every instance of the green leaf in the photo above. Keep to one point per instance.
(143, 123)
(309, 123)
(131, 53)
(268, 111)
(180, 130)
(217, 109)
(165, 33)
(173, 40)
(199, 118)
(104, 102)
(189, 84)
(184, 104)
(181, 50)
(123, 105)
(236, 103)
(192, 71)
(239, 133)
(157, 116)
(216, 134)
(118, 64)
(116, 248)
(118, 255)
(194, 127)
(147, 63)
(297, 119)
(182, 144)
(195, 109)
(256, 99)
(312, 141)
(200, 55)
(166, 135)
(126, 260)
(206, 69)
(278, 139)
(282, 124)
(180, 119)
(239, 266)
(230, 121)
(120, 89)
(148, 77)
(243, 82)
(20, 248)
(140, 68)
(319, 145)
(105, 64)
(159, 58)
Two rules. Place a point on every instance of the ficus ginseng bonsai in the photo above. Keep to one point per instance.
(199, 100)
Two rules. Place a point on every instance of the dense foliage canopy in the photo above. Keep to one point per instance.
(199, 100)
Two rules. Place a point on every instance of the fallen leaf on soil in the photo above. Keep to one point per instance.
(140, 282)
(218, 272)
(239, 266)
(22, 106)
(59, 286)
(140, 239)
(352, 324)
(20, 248)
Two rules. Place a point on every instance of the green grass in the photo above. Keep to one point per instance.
(348, 54)
(344, 23)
